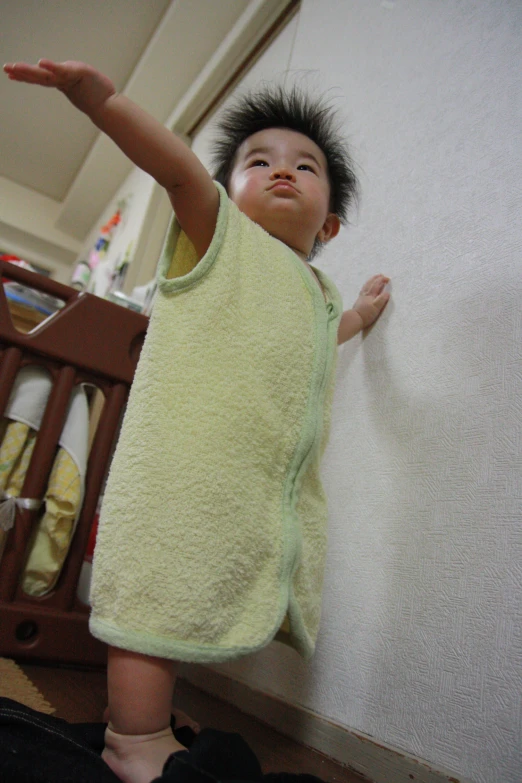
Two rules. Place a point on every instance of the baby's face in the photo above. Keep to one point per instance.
(280, 181)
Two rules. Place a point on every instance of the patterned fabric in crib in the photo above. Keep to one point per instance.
(50, 544)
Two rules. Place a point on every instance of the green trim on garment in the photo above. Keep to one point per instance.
(164, 647)
(327, 315)
(175, 284)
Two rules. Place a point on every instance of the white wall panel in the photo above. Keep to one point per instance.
(421, 644)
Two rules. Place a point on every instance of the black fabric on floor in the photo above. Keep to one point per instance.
(38, 748)
(216, 755)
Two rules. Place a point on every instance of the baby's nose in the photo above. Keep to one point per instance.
(283, 172)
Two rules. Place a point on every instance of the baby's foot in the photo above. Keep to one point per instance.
(139, 758)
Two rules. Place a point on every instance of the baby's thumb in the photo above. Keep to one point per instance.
(381, 300)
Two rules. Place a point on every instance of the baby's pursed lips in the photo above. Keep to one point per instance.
(283, 183)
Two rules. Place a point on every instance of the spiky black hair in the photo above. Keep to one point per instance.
(273, 107)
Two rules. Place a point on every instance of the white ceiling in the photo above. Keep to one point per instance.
(43, 141)
(156, 51)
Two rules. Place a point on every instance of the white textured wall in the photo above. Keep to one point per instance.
(421, 643)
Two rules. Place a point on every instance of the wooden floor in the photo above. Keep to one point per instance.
(81, 696)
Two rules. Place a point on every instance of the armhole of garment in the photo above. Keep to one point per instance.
(334, 300)
(179, 267)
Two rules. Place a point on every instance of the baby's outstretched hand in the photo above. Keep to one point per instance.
(372, 300)
(84, 86)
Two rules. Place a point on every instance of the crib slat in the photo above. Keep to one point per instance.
(8, 370)
(53, 420)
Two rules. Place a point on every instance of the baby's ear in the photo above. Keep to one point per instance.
(330, 228)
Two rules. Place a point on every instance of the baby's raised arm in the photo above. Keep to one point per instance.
(148, 143)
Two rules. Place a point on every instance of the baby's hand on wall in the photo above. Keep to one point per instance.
(372, 300)
(84, 86)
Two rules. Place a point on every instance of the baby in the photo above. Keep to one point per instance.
(212, 537)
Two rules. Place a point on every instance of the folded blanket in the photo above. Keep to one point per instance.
(213, 526)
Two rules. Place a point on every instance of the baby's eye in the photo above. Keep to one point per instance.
(305, 167)
(259, 162)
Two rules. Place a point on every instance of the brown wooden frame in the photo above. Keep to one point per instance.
(89, 341)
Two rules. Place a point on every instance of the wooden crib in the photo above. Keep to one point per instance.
(89, 341)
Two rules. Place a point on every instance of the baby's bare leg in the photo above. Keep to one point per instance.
(138, 739)
(182, 719)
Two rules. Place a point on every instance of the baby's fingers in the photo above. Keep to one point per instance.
(50, 65)
(63, 72)
(30, 74)
(381, 301)
(46, 74)
(374, 285)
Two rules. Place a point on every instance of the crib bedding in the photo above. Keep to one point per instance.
(63, 498)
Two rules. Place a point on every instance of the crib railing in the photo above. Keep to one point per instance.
(89, 341)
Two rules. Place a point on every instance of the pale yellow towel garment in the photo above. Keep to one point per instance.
(213, 525)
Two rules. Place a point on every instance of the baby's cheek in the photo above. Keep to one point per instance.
(245, 187)
(322, 200)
